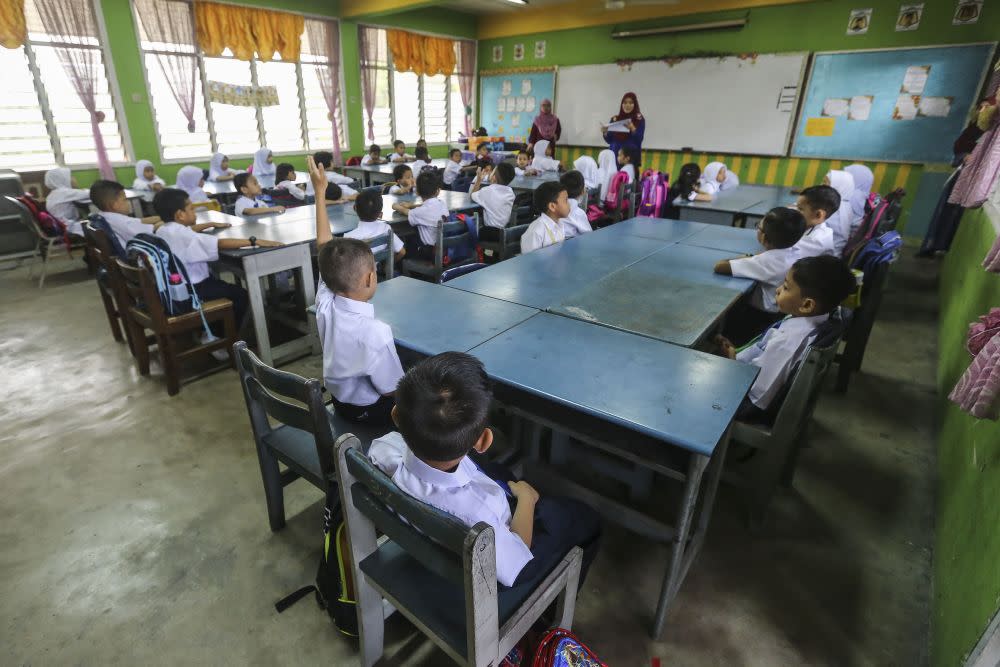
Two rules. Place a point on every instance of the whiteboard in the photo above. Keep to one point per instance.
(714, 105)
(829, 126)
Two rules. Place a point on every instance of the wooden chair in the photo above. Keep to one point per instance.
(145, 311)
(436, 572)
(449, 235)
(109, 281)
(303, 438)
(46, 244)
(862, 321)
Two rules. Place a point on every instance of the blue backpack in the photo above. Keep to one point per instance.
(173, 286)
(881, 250)
(97, 221)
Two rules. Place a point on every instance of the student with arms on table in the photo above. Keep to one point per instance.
(426, 216)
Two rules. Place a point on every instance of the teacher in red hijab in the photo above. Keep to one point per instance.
(546, 126)
(629, 135)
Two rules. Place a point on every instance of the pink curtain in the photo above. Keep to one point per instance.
(72, 22)
(983, 164)
(466, 76)
(368, 52)
(170, 22)
(327, 34)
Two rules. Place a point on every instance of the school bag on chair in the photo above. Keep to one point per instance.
(615, 203)
(655, 186)
(560, 648)
(880, 214)
(50, 224)
(354, 161)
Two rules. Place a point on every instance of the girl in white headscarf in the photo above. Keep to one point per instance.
(60, 201)
(543, 161)
(607, 166)
(714, 179)
(587, 166)
(146, 181)
(840, 222)
(864, 179)
(218, 168)
(263, 163)
(190, 179)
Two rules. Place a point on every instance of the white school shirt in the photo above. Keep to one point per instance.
(125, 226)
(146, 187)
(768, 268)
(776, 353)
(367, 160)
(451, 171)
(398, 190)
(194, 249)
(815, 242)
(518, 171)
(397, 158)
(630, 170)
(292, 189)
(245, 202)
(369, 229)
(418, 165)
(427, 218)
(544, 231)
(60, 203)
(333, 177)
(466, 493)
(576, 223)
(497, 202)
(360, 363)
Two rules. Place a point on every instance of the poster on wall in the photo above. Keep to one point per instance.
(242, 96)
(519, 52)
(909, 17)
(967, 12)
(540, 50)
(859, 21)
(497, 53)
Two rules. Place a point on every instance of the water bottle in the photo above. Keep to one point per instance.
(178, 290)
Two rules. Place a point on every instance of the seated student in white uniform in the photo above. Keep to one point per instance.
(109, 198)
(405, 182)
(812, 289)
(497, 200)
(360, 364)
(190, 179)
(715, 179)
(522, 165)
(576, 223)
(777, 233)
(543, 159)
(63, 195)
(399, 153)
(426, 216)
(218, 168)
(325, 158)
(841, 222)
(552, 200)
(284, 177)
(629, 159)
(423, 160)
(368, 206)
(249, 201)
(146, 181)
(453, 169)
(438, 457)
(180, 229)
(816, 204)
(373, 156)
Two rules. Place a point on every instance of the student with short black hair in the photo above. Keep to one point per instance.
(284, 176)
(442, 410)
(453, 169)
(576, 222)
(552, 200)
(399, 152)
(812, 289)
(405, 182)
(497, 200)
(373, 156)
(360, 365)
(109, 198)
(423, 159)
(426, 216)
(334, 195)
(816, 204)
(368, 206)
(325, 158)
(249, 201)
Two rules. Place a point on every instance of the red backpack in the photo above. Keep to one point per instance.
(353, 161)
(655, 186)
(51, 225)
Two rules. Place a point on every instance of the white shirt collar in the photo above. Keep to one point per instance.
(431, 475)
(804, 322)
(364, 308)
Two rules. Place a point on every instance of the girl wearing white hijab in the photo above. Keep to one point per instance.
(146, 181)
(607, 167)
(840, 222)
(190, 179)
(263, 164)
(863, 181)
(715, 178)
(218, 168)
(543, 162)
(60, 201)
(587, 166)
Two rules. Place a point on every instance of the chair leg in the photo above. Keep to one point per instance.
(45, 267)
(109, 310)
(566, 602)
(371, 622)
(274, 491)
(168, 355)
(140, 350)
(229, 326)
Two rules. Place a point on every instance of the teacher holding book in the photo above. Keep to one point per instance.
(627, 128)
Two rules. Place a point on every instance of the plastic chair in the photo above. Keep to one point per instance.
(862, 321)
(109, 281)
(507, 240)
(386, 257)
(449, 235)
(210, 205)
(45, 244)
(304, 437)
(436, 572)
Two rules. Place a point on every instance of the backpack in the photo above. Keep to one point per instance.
(881, 250)
(655, 186)
(560, 648)
(51, 225)
(97, 221)
(880, 217)
(172, 282)
(615, 200)
(354, 161)
(334, 587)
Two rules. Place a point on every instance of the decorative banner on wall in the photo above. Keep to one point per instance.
(967, 12)
(859, 22)
(909, 17)
(242, 96)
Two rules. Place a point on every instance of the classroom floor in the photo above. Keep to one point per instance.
(134, 528)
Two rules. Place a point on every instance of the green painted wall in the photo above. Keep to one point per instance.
(967, 549)
(816, 26)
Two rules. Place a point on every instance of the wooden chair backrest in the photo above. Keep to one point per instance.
(139, 288)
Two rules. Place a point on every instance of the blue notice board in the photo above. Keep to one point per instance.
(508, 103)
(901, 105)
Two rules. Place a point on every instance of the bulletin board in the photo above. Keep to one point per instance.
(510, 100)
(895, 105)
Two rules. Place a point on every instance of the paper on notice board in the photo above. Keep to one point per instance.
(505, 87)
(934, 107)
(861, 107)
(525, 86)
(836, 106)
(906, 107)
(915, 79)
(529, 103)
(820, 127)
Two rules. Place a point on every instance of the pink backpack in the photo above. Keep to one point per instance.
(655, 186)
(615, 199)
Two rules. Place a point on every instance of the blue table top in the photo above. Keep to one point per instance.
(547, 276)
(663, 229)
(693, 264)
(735, 200)
(667, 392)
(532, 182)
(734, 240)
(771, 196)
(430, 319)
(455, 201)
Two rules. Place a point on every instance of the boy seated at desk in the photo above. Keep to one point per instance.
(497, 200)
(109, 198)
(325, 158)
(373, 156)
(284, 176)
(437, 457)
(552, 200)
(423, 159)
(405, 182)
(360, 364)
(576, 222)
(249, 202)
(339, 194)
(816, 204)
(180, 230)
(453, 170)
(777, 233)
(812, 289)
(399, 153)
(368, 206)
(426, 216)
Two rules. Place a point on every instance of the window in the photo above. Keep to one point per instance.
(299, 122)
(411, 107)
(35, 134)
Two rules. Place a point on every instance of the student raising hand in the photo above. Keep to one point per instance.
(317, 174)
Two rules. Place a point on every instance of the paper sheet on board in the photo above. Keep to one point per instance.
(861, 107)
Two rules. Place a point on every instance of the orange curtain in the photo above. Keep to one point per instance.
(246, 30)
(13, 29)
(421, 54)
